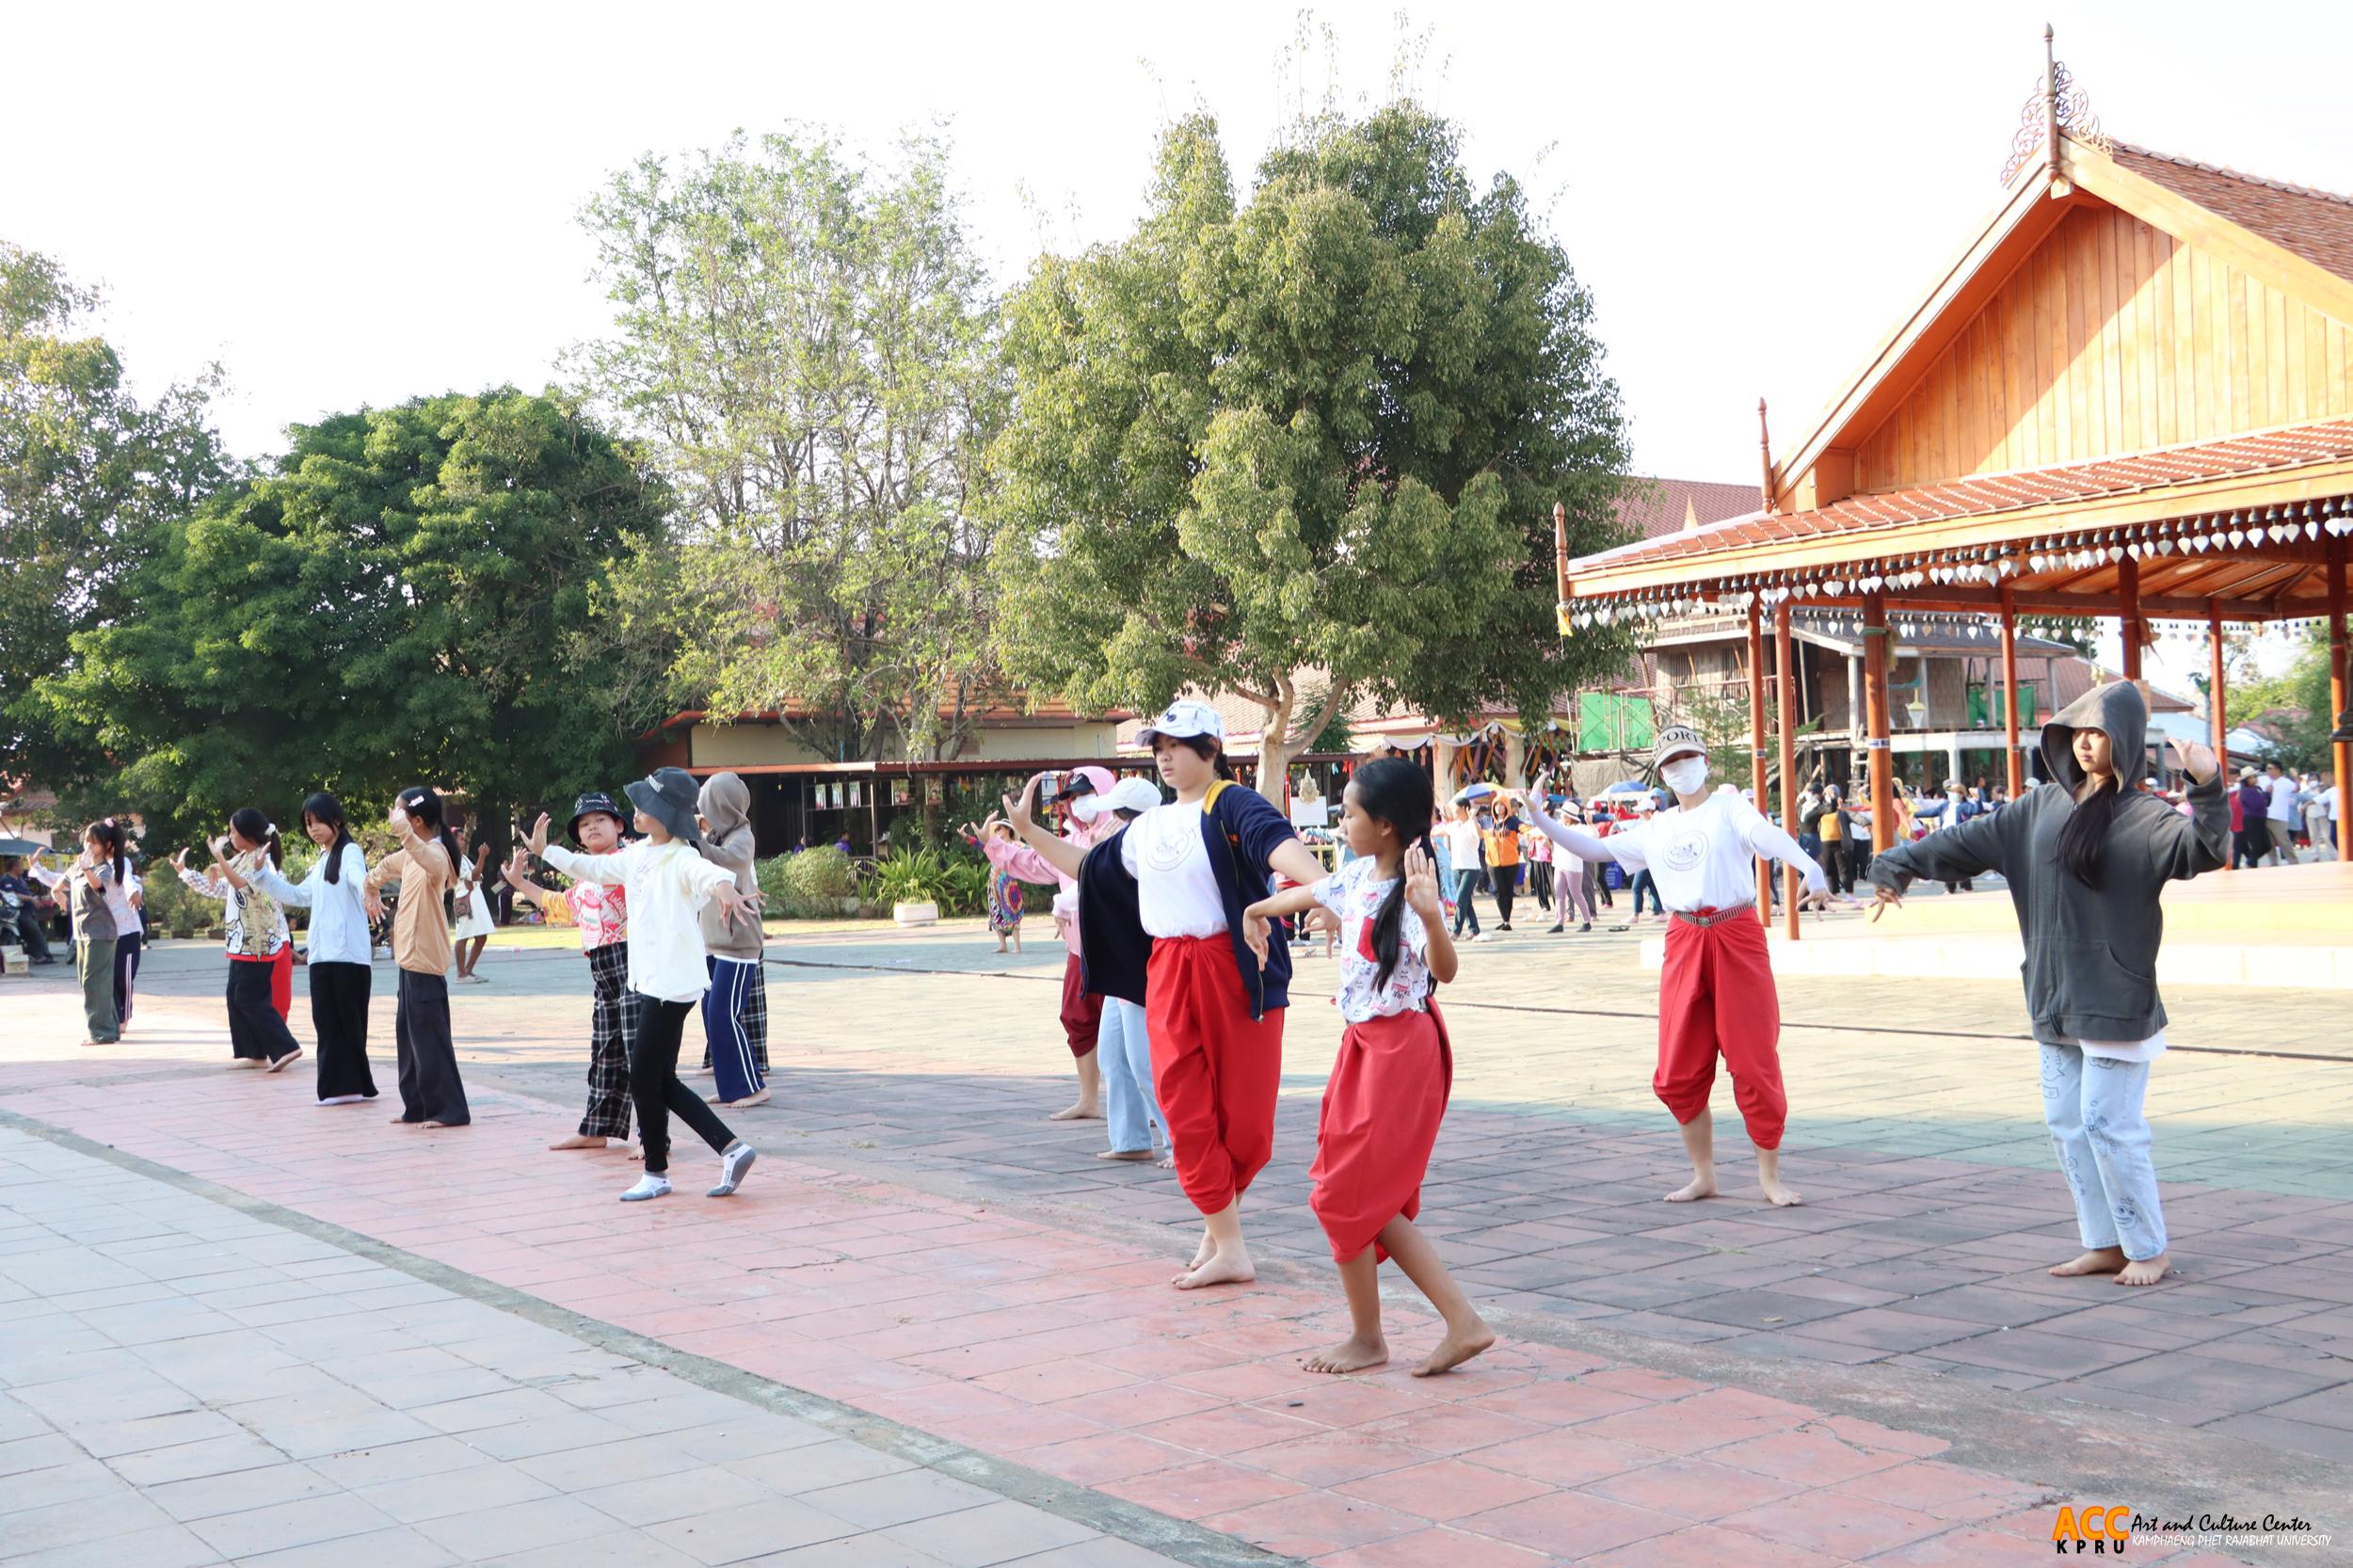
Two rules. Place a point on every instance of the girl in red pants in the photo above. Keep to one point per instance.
(1161, 915)
(1394, 1068)
(1716, 993)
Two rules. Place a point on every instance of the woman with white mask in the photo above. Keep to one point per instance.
(1716, 993)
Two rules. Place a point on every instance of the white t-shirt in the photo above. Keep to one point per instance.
(2282, 799)
(2122, 1050)
(1355, 893)
(1701, 859)
(2329, 798)
(1176, 889)
(668, 884)
(1463, 844)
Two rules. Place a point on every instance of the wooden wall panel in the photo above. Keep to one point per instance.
(2112, 338)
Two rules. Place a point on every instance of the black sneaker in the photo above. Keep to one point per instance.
(1586, 927)
(1552, 931)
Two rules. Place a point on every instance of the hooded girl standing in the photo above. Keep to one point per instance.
(258, 942)
(1161, 903)
(1716, 993)
(335, 892)
(87, 881)
(735, 1005)
(668, 882)
(601, 915)
(425, 866)
(1390, 1083)
(1081, 1009)
(2086, 857)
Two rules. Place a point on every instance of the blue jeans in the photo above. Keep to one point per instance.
(1465, 884)
(1644, 883)
(1123, 1049)
(2093, 1107)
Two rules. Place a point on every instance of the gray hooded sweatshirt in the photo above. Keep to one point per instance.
(2092, 952)
(726, 803)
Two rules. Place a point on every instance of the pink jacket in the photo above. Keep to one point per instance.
(1024, 864)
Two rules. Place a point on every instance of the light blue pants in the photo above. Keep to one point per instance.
(1123, 1049)
(2093, 1108)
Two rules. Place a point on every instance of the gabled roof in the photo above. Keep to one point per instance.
(1650, 508)
(2295, 237)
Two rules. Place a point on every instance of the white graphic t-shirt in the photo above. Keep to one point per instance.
(1701, 859)
(1355, 893)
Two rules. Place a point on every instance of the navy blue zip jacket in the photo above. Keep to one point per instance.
(1240, 829)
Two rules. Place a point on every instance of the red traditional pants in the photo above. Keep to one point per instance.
(1381, 1115)
(281, 981)
(1716, 996)
(1216, 1071)
(1082, 1014)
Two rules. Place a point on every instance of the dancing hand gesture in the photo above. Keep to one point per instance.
(1254, 932)
(1884, 898)
(180, 861)
(540, 837)
(1421, 886)
(2198, 761)
(518, 871)
(1019, 812)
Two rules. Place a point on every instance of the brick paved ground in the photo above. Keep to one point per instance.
(1884, 1371)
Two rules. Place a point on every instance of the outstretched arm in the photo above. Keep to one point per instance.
(1291, 901)
(1584, 845)
(2183, 847)
(1947, 854)
(1058, 853)
(1773, 843)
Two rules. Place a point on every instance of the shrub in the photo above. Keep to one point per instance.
(809, 886)
(965, 884)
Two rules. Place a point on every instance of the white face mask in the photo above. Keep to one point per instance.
(1685, 774)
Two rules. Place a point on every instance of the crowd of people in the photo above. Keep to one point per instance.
(1177, 902)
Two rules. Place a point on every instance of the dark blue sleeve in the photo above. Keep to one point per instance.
(1254, 823)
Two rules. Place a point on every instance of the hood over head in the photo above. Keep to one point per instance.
(726, 803)
(2115, 708)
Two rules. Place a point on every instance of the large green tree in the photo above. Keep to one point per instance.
(86, 470)
(409, 595)
(804, 343)
(1306, 447)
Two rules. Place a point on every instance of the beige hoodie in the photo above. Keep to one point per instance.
(726, 803)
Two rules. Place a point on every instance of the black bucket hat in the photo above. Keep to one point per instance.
(669, 796)
(591, 803)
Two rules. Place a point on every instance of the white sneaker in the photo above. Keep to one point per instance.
(648, 1186)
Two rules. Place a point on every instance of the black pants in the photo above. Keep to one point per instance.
(36, 940)
(653, 1084)
(1539, 882)
(256, 1032)
(429, 1087)
(126, 971)
(1507, 879)
(339, 1018)
(2248, 849)
(1836, 867)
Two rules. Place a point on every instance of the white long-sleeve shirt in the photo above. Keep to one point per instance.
(339, 911)
(668, 885)
(1700, 858)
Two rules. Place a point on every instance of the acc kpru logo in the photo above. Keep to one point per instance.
(2100, 1531)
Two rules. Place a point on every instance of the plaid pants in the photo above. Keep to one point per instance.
(610, 1029)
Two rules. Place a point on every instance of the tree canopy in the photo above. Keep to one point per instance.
(85, 471)
(804, 344)
(409, 595)
(1306, 445)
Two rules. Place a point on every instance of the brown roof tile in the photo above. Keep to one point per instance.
(2317, 225)
(1652, 509)
(1863, 515)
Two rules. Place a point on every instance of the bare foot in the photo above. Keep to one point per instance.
(578, 1141)
(403, 1121)
(759, 1098)
(2099, 1260)
(1166, 1162)
(2145, 1271)
(1458, 1345)
(1224, 1268)
(1777, 1194)
(1353, 1355)
(1698, 1187)
(1123, 1154)
(1202, 1254)
(1085, 1110)
(433, 1123)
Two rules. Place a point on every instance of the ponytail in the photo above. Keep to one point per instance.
(110, 833)
(1388, 921)
(1393, 790)
(425, 809)
(256, 828)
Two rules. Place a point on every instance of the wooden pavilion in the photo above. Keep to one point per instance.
(2130, 396)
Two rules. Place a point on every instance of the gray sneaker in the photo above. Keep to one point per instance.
(733, 1165)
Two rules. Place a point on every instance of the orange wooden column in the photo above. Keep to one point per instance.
(2128, 613)
(2216, 722)
(2339, 688)
(1757, 752)
(1785, 721)
(2010, 694)
(1875, 661)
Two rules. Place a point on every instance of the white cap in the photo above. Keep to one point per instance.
(1128, 794)
(1183, 721)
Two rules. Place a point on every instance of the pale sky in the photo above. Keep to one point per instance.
(356, 205)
